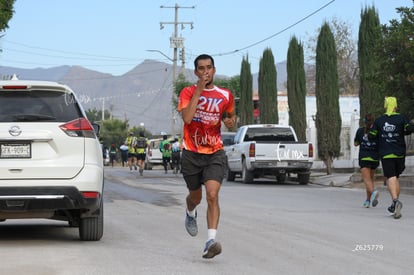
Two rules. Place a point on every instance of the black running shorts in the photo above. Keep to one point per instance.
(393, 167)
(141, 156)
(368, 164)
(198, 168)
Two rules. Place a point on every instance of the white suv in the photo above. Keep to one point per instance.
(51, 162)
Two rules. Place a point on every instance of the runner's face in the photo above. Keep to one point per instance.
(205, 69)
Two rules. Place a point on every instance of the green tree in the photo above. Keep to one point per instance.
(268, 88)
(371, 93)
(232, 83)
(113, 131)
(95, 115)
(296, 87)
(6, 13)
(245, 106)
(397, 61)
(328, 117)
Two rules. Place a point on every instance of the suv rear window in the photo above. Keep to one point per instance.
(37, 106)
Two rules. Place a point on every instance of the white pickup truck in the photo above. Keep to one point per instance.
(268, 149)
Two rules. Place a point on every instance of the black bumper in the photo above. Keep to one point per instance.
(45, 198)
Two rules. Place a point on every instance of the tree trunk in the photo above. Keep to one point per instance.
(328, 162)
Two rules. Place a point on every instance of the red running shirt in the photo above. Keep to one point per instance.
(203, 134)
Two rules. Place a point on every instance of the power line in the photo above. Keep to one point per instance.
(277, 33)
(67, 52)
(66, 57)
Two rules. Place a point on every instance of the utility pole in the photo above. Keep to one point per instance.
(176, 43)
(182, 57)
(103, 109)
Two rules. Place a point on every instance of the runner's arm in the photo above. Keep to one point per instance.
(189, 110)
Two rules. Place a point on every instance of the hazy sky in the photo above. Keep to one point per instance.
(114, 36)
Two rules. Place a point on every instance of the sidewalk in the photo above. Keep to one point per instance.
(347, 179)
(335, 179)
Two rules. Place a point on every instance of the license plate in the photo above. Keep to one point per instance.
(15, 150)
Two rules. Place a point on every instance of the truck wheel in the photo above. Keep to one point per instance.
(303, 178)
(230, 175)
(281, 178)
(247, 176)
(91, 228)
(148, 166)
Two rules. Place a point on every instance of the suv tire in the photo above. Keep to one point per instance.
(91, 228)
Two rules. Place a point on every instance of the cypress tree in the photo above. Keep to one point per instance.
(328, 118)
(371, 95)
(246, 93)
(268, 88)
(296, 88)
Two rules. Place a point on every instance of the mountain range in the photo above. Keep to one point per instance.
(143, 95)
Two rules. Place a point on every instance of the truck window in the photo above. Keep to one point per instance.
(269, 135)
(227, 138)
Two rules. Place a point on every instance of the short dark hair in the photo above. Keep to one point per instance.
(141, 134)
(201, 57)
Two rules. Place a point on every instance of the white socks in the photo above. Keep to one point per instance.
(191, 213)
(211, 233)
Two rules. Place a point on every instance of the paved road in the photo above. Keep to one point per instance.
(265, 228)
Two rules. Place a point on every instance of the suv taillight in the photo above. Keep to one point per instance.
(91, 195)
(80, 127)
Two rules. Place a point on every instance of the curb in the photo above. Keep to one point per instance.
(334, 180)
(345, 179)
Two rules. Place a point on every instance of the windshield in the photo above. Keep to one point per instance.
(38, 106)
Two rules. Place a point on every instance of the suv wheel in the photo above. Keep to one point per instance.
(91, 228)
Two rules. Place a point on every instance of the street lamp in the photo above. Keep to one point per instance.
(163, 54)
(174, 61)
